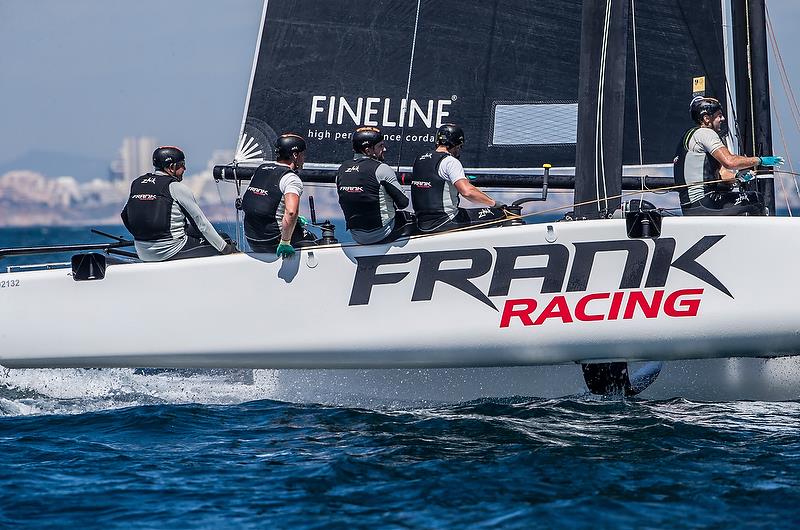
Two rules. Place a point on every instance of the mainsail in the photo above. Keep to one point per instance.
(506, 70)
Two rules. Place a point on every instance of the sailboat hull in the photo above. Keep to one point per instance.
(511, 296)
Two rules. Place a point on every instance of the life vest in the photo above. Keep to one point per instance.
(692, 170)
(148, 213)
(432, 196)
(261, 201)
(360, 194)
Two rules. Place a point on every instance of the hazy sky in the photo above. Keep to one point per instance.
(76, 76)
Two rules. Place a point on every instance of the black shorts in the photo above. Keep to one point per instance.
(465, 217)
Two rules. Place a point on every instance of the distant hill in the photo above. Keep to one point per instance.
(53, 164)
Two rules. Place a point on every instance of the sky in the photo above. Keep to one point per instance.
(76, 76)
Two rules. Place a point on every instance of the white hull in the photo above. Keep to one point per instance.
(252, 311)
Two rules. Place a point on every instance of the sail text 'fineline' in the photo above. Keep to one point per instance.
(381, 112)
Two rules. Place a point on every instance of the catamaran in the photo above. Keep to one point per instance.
(597, 89)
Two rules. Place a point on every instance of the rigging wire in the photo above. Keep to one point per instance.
(784, 76)
(722, 53)
(792, 101)
(786, 149)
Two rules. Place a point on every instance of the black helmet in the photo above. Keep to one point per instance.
(450, 135)
(702, 106)
(289, 143)
(165, 156)
(366, 137)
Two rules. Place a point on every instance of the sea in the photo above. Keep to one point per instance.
(146, 448)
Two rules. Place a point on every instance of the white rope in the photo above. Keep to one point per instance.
(599, 151)
(404, 104)
(636, 79)
(750, 79)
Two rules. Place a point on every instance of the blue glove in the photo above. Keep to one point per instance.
(302, 220)
(772, 160)
(471, 177)
(285, 250)
(745, 176)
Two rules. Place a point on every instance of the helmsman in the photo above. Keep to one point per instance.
(707, 169)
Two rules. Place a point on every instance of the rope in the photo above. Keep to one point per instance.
(621, 196)
(600, 170)
(404, 106)
(786, 150)
(638, 102)
(636, 79)
(750, 77)
(791, 101)
(222, 203)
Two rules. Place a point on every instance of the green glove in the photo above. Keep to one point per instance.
(771, 160)
(302, 221)
(745, 176)
(285, 249)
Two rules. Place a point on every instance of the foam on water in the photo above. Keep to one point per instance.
(73, 391)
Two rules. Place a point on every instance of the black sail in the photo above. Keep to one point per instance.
(507, 71)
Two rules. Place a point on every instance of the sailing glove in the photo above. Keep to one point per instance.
(285, 249)
(772, 160)
(302, 221)
(745, 176)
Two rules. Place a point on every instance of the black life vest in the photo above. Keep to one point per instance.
(695, 174)
(261, 201)
(359, 194)
(148, 213)
(428, 188)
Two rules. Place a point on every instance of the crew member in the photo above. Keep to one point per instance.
(704, 163)
(438, 180)
(163, 216)
(272, 201)
(369, 193)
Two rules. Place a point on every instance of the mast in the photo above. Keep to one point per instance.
(752, 87)
(601, 107)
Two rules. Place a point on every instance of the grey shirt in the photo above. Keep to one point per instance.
(386, 175)
(164, 249)
(703, 141)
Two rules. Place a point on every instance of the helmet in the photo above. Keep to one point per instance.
(450, 135)
(289, 143)
(366, 137)
(165, 156)
(702, 106)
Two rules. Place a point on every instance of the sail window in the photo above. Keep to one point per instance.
(534, 124)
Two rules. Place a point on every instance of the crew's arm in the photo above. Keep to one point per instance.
(186, 199)
(727, 174)
(733, 162)
(388, 179)
(291, 203)
(292, 188)
(473, 194)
